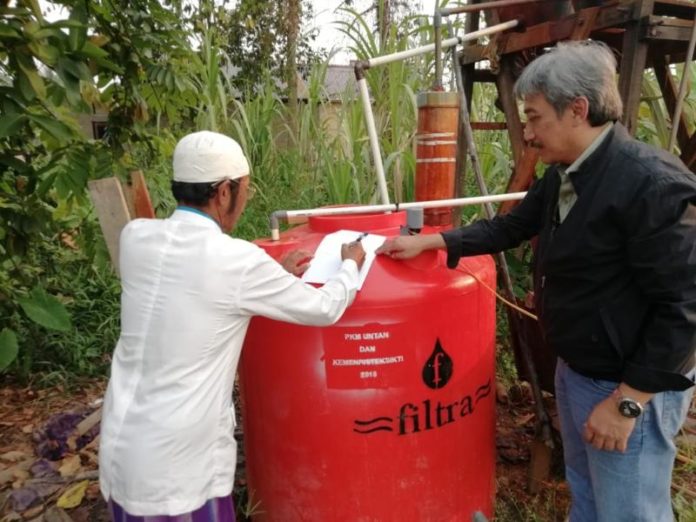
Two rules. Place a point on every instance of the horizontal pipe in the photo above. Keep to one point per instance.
(446, 44)
(410, 53)
(474, 8)
(293, 215)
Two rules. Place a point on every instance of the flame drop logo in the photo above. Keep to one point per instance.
(438, 368)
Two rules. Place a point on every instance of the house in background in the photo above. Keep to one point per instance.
(93, 125)
(338, 78)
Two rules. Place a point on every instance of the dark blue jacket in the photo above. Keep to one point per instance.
(615, 283)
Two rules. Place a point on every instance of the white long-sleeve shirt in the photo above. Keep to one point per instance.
(188, 293)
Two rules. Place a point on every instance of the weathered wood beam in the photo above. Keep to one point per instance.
(688, 155)
(661, 28)
(673, 52)
(483, 75)
(524, 157)
(612, 15)
(489, 125)
(112, 211)
(506, 83)
(522, 177)
(469, 76)
(675, 8)
(142, 205)
(669, 94)
(633, 59)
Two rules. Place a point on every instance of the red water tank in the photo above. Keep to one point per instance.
(389, 415)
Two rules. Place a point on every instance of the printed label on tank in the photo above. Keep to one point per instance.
(371, 356)
(423, 415)
(438, 368)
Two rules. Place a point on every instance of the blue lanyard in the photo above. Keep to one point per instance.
(196, 211)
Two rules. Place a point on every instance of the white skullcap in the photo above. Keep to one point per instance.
(206, 157)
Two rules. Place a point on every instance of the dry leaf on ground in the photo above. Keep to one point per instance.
(72, 497)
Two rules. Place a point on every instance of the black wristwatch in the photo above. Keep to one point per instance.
(629, 408)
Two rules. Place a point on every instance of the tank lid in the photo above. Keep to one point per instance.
(437, 99)
(362, 222)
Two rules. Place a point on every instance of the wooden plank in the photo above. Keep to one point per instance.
(586, 21)
(669, 94)
(506, 83)
(522, 178)
(668, 29)
(462, 147)
(674, 52)
(488, 125)
(633, 60)
(608, 16)
(667, 21)
(469, 76)
(524, 157)
(483, 75)
(142, 204)
(688, 155)
(112, 211)
(677, 8)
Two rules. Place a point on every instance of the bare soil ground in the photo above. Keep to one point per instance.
(65, 489)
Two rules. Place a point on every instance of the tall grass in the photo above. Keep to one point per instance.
(327, 159)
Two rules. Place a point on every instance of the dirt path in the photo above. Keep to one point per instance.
(70, 480)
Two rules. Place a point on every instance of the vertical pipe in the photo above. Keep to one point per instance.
(543, 421)
(372, 134)
(437, 27)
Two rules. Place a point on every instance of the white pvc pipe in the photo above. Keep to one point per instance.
(284, 215)
(374, 141)
(437, 203)
(381, 60)
(450, 42)
(410, 53)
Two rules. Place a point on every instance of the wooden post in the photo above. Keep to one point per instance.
(116, 205)
(669, 94)
(112, 211)
(633, 59)
(468, 71)
(688, 155)
(142, 205)
(525, 158)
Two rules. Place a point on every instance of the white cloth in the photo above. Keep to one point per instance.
(188, 293)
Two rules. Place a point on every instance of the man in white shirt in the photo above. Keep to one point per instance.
(189, 291)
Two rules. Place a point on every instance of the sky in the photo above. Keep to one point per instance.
(324, 17)
(329, 36)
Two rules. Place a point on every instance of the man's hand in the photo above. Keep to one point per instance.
(406, 247)
(606, 429)
(354, 251)
(296, 262)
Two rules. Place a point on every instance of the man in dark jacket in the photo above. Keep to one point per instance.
(615, 282)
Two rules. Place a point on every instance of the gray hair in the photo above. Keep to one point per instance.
(571, 70)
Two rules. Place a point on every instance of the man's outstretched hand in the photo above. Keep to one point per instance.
(406, 247)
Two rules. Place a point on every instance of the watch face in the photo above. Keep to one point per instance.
(630, 408)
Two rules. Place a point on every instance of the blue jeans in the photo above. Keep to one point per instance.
(609, 486)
